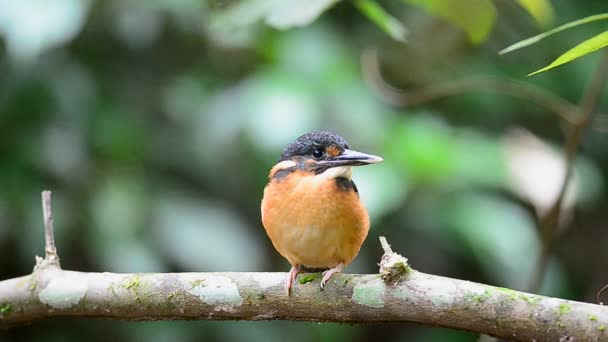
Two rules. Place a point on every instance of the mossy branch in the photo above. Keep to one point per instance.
(397, 294)
(417, 297)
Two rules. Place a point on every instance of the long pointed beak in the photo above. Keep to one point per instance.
(354, 158)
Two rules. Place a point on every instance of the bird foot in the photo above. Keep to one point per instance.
(327, 274)
(290, 278)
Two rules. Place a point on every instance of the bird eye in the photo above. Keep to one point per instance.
(318, 153)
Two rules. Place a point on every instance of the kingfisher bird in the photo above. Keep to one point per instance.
(311, 208)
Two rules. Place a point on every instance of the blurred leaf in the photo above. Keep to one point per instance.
(278, 107)
(432, 152)
(138, 27)
(536, 172)
(478, 160)
(240, 13)
(290, 13)
(384, 20)
(539, 37)
(373, 119)
(118, 134)
(125, 255)
(475, 17)
(63, 152)
(382, 188)
(232, 24)
(588, 46)
(119, 211)
(34, 26)
(318, 55)
(540, 10)
(184, 98)
(119, 205)
(280, 14)
(424, 148)
(500, 235)
(204, 236)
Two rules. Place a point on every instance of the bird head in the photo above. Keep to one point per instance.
(321, 153)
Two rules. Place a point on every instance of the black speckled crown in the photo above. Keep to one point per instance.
(305, 144)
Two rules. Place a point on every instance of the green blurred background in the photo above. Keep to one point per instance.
(155, 124)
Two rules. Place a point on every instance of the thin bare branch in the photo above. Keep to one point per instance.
(49, 232)
(385, 246)
(415, 97)
(549, 223)
(51, 259)
(599, 294)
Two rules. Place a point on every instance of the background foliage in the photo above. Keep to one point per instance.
(155, 124)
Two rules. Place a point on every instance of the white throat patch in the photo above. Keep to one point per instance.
(336, 172)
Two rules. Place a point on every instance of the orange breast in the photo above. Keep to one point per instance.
(312, 222)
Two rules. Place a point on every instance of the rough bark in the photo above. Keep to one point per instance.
(416, 297)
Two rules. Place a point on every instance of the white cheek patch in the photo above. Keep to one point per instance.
(336, 172)
(285, 164)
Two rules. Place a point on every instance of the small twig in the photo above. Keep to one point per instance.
(587, 106)
(599, 294)
(397, 97)
(549, 223)
(385, 246)
(49, 233)
(393, 266)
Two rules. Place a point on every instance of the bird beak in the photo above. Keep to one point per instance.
(353, 158)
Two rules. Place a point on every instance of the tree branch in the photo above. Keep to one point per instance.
(418, 297)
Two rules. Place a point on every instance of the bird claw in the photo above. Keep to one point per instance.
(327, 274)
(293, 272)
